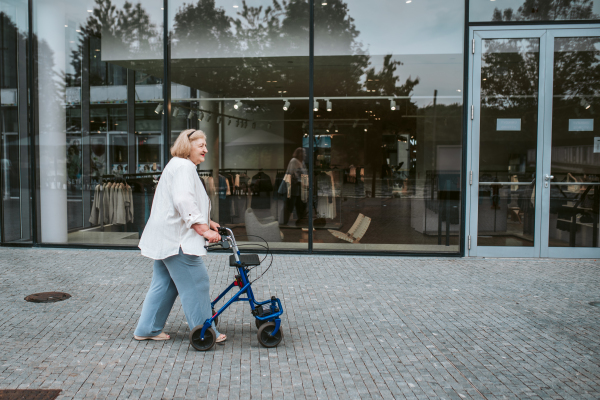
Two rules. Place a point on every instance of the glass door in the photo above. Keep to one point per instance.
(572, 144)
(507, 138)
(534, 165)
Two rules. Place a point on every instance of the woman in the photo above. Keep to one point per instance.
(296, 168)
(178, 228)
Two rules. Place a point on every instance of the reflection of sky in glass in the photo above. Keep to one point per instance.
(482, 10)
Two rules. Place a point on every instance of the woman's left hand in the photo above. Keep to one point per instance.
(213, 225)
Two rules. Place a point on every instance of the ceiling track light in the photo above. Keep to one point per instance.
(286, 105)
(200, 116)
(329, 107)
(229, 122)
(175, 111)
(159, 108)
(208, 118)
(237, 123)
(316, 105)
(237, 105)
(392, 105)
(191, 115)
(219, 119)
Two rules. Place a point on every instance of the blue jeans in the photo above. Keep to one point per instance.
(181, 274)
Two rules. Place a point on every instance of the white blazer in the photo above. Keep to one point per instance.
(180, 201)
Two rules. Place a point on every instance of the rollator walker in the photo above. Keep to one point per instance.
(266, 313)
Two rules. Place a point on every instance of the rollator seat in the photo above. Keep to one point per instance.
(246, 259)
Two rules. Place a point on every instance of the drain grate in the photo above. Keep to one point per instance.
(47, 297)
(29, 394)
(595, 303)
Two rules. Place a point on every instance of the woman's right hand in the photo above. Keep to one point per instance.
(211, 236)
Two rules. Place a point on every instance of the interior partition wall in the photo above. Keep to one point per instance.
(331, 125)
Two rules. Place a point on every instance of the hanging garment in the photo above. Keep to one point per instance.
(120, 217)
(129, 205)
(106, 204)
(514, 188)
(352, 174)
(97, 211)
(325, 195)
(261, 188)
(288, 180)
(304, 187)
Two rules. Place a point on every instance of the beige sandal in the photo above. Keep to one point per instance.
(222, 337)
(160, 336)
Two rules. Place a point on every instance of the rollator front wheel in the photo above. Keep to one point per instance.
(264, 335)
(209, 338)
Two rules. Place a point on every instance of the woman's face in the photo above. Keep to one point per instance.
(198, 151)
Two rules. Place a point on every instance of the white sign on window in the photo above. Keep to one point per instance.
(597, 145)
(581, 125)
(508, 124)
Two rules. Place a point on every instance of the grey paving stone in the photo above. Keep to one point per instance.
(355, 327)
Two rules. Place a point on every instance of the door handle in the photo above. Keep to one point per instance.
(549, 177)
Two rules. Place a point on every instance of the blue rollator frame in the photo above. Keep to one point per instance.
(263, 311)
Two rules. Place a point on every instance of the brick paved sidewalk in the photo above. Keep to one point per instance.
(355, 327)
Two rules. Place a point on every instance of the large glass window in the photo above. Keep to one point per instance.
(15, 161)
(527, 10)
(98, 70)
(387, 132)
(240, 73)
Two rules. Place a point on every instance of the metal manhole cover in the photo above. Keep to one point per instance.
(595, 303)
(29, 394)
(47, 297)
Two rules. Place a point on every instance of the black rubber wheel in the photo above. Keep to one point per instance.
(209, 341)
(259, 323)
(216, 320)
(264, 335)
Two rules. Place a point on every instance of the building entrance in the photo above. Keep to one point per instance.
(534, 148)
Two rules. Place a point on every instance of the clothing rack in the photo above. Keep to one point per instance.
(205, 172)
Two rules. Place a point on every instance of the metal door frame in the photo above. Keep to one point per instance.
(477, 35)
(546, 250)
(546, 34)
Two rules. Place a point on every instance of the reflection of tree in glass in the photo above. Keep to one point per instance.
(245, 47)
(128, 30)
(509, 73)
(577, 67)
(547, 10)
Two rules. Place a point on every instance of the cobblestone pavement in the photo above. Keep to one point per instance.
(355, 327)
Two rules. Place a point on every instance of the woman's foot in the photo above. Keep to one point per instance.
(221, 338)
(160, 336)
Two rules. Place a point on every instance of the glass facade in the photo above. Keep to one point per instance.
(349, 142)
(499, 11)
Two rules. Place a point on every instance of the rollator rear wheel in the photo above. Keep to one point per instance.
(264, 335)
(209, 338)
(259, 323)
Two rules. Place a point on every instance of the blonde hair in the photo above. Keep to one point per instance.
(183, 145)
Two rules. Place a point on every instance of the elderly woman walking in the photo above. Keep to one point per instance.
(175, 235)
